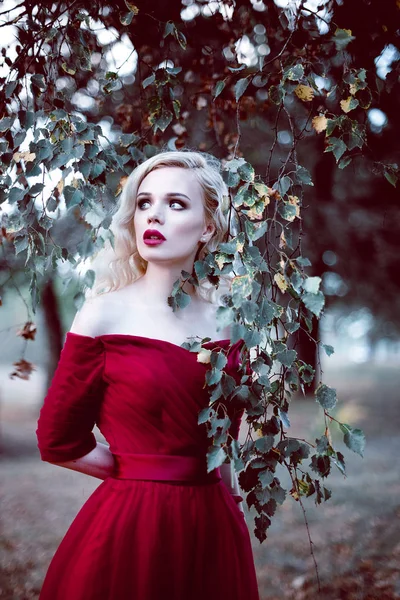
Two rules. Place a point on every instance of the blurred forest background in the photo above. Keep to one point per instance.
(148, 75)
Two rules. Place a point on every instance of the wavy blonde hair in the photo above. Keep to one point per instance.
(119, 266)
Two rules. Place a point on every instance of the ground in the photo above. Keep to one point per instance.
(355, 535)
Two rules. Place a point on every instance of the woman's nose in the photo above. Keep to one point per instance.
(154, 215)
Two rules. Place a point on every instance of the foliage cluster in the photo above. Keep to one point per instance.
(191, 83)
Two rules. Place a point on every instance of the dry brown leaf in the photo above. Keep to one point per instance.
(23, 369)
(305, 93)
(320, 123)
(28, 331)
(282, 240)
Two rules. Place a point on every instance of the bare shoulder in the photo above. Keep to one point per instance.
(91, 317)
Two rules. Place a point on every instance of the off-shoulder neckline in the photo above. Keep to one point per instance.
(144, 338)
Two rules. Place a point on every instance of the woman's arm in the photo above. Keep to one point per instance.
(225, 470)
(97, 463)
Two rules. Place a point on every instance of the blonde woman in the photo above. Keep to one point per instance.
(158, 526)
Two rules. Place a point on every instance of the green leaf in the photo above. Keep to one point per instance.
(241, 289)
(337, 146)
(326, 396)
(255, 231)
(391, 177)
(36, 189)
(89, 278)
(168, 29)
(215, 458)
(126, 19)
(342, 37)
(176, 105)
(218, 360)
(278, 494)
(246, 172)
(15, 195)
(303, 261)
(72, 195)
(180, 38)
(295, 73)
(287, 211)
(219, 86)
(344, 162)
(231, 179)
(314, 302)
(148, 81)
(39, 82)
(240, 87)
(276, 94)
(286, 357)
(303, 175)
(205, 414)
(283, 185)
(353, 438)
(79, 299)
(163, 120)
(265, 477)
(328, 349)
(20, 243)
(265, 443)
(9, 89)
(6, 123)
(311, 284)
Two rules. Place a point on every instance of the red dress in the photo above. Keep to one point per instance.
(140, 535)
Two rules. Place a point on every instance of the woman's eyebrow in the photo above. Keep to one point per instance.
(168, 195)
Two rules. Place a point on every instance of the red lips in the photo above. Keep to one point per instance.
(151, 233)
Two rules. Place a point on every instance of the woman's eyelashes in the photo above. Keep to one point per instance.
(181, 204)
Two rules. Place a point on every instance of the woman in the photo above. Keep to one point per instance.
(159, 526)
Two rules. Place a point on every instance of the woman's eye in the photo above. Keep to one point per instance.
(180, 204)
(141, 202)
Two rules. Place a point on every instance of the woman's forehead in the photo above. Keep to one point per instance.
(167, 180)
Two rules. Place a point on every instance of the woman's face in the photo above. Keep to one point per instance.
(169, 203)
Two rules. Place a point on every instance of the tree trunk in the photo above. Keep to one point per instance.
(53, 327)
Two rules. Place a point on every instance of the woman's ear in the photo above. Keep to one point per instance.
(208, 232)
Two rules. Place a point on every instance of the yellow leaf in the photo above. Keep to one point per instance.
(349, 104)
(280, 282)
(204, 356)
(60, 185)
(253, 214)
(345, 104)
(282, 240)
(353, 88)
(220, 259)
(26, 156)
(132, 7)
(319, 123)
(75, 182)
(295, 202)
(305, 93)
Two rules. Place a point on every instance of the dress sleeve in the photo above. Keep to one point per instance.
(70, 408)
(235, 360)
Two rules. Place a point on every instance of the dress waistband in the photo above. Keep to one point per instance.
(163, 467)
